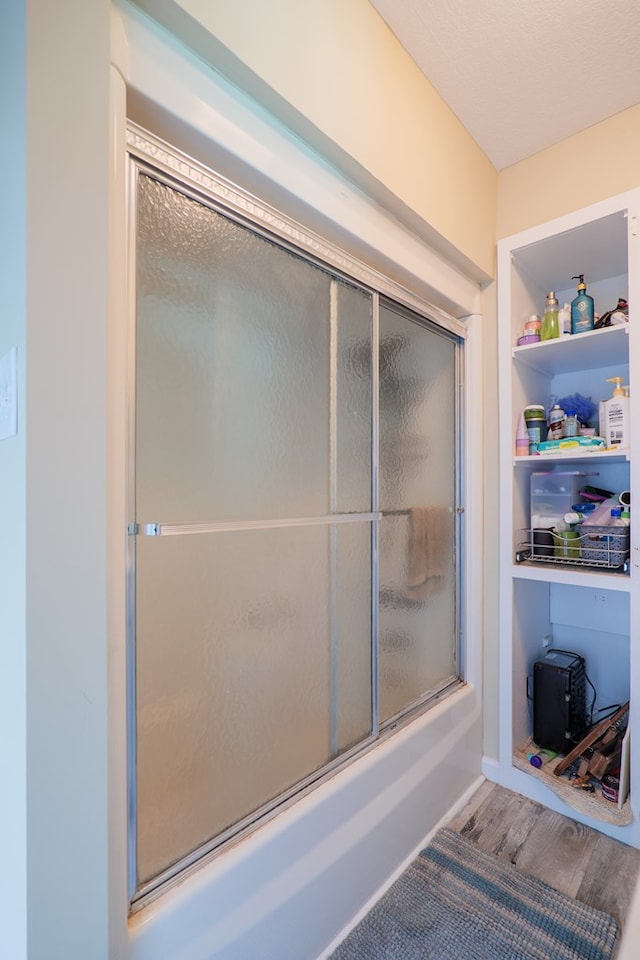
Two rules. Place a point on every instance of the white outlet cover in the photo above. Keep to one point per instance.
(9, 394)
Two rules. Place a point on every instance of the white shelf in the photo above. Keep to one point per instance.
(591, 805)
(550, 253)
(573, 576)
(604, 456)
(584, 351)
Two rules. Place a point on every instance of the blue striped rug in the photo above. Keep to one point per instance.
(455, 902)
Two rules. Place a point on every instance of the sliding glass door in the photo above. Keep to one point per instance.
(417, 500)
(293, 536)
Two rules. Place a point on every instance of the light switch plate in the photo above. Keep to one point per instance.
(9, 394)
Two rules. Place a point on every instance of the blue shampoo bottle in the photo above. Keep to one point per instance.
(581, 308)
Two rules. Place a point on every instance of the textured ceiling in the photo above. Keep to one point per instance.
(523, 74)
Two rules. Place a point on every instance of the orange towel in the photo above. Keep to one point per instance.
(430, 551)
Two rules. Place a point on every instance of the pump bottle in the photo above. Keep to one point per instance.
(550, 327)
(581, 308)
(614, 417)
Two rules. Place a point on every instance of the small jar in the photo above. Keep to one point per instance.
(535, 420)
(533, 324)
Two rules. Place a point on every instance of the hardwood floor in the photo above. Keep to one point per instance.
(568, 856)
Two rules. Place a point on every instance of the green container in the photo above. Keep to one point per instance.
(534, 411)
(536, 423)
(566, 544)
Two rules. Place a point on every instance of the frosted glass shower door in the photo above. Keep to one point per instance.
(253, 478)
(418, 494)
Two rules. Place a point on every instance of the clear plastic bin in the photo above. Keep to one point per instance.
(553, 493)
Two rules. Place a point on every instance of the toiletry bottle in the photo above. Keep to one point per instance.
(522, 437)
(541, 757)
(556, 420)
(575, 516)
(570, 426)
(581, 308)
(564, 319)
(550, 328)
(616, 417)
(601, 516)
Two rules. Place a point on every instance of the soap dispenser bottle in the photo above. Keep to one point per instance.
(581, 308)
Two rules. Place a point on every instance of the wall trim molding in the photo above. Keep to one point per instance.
(146, 146)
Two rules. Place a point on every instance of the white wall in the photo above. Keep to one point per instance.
(13, 756)
(52, 556)
(66, 424)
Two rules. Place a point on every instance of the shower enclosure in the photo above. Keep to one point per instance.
(295, 530)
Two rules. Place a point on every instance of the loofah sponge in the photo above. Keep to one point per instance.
(583, 407)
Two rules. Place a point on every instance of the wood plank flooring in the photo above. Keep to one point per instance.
(570, 857)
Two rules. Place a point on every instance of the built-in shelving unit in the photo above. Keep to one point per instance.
(590, 611)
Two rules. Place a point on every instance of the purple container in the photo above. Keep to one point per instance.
(528, 338)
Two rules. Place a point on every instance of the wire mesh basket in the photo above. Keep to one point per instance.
(588, 546)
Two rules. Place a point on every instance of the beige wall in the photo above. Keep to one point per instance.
(592, 165)
(335, 73)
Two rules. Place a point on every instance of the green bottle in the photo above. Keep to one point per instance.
(550, 329)
(581, 308)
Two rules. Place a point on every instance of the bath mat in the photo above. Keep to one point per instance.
(456, 902)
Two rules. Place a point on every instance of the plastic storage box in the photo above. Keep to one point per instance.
(553, 493)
